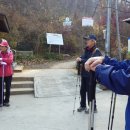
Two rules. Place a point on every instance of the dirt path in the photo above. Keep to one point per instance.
(64, 65)
(68, 64)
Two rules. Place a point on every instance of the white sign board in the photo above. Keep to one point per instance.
(54, 39)
(67, 22)
(129, 45)
(86, 21)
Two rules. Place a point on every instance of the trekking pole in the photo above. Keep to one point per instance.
(77, 84)
(91, 99)
(111, 116)
(114, 104)
(112, 111)
(3, 68)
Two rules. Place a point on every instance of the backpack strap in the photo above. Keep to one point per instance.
(94, 51)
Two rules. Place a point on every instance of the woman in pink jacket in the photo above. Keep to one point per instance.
(6, 56)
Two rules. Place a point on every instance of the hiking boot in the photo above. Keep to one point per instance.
(6, 104)
(80, 109)
(87, 110)
(95, 110)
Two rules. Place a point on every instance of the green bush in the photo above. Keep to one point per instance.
(53, 56)
(22, 58)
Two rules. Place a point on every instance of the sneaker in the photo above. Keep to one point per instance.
(80, 109)
(6, 104)
(87, 111)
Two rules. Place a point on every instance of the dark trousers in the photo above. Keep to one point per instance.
(84, 91)
(7, 81)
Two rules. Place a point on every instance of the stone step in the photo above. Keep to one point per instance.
(23, 78)
(18, 68)
(22, 84)
(19, 91)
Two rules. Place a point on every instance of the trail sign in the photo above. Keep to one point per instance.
(54, 39)
(87, 21)
(67, 24)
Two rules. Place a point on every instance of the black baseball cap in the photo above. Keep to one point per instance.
(90, 37)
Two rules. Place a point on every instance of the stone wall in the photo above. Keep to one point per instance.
(24, 53)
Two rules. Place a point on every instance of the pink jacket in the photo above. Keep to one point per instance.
(8, 58)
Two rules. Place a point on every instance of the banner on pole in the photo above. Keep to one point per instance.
(104, 34)
(129, 45)
(54, 39)
(87, 21)
(67, 24)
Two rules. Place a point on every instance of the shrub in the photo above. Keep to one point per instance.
(53, 56)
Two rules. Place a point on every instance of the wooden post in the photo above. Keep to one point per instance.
(59, 49)
(50, 49)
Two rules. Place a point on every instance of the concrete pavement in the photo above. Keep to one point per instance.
(56, 113)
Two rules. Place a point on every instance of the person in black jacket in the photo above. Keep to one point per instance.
(90, 51)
